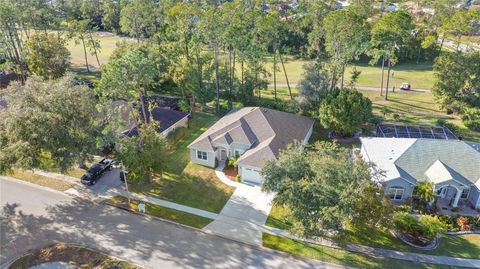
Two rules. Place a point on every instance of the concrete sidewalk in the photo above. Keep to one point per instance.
(382, 252)
(164, 203)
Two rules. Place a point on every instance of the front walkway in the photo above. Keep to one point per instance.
(464, 208)
(243, 217)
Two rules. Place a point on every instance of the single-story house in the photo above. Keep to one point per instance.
(165, 111)
(253, 134)
(168, 118)
(452, 166)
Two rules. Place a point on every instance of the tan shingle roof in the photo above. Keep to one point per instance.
(267, 130)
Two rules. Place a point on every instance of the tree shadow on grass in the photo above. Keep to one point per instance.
(197, 187)
(415, 106)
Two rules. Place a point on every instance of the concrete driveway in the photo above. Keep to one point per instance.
(110, 180)
(244, 215)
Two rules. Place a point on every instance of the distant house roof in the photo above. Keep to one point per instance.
(165, 116)
(424, 159)
(264, 130)
(3, 102)
(165, 111)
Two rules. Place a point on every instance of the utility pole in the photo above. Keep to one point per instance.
(126, 184)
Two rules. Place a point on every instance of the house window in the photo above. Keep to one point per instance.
(201, 155)
(465, 193)
(395, 193)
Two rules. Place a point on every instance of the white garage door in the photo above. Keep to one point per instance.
(251, 176)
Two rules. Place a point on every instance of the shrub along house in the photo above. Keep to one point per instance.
(253, 134)
(452, 166)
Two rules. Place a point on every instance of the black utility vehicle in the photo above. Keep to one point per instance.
(96, 171)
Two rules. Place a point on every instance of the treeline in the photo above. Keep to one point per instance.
(214, 50)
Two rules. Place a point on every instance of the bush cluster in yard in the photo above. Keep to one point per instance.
(421, 230)
(403, 208)
(460, 223)
(471, 119)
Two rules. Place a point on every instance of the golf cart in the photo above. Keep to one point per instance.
(405, 86)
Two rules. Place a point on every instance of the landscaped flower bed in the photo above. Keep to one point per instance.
(461, 223)
(421, 232)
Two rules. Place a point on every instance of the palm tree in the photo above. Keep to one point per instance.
(424, 191)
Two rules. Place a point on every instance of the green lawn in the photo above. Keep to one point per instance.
(464, 246)
(184, 182)
(163, 212)
(108, 43)
(48, 182)
(337, 256)
(420, 75)
(417, 108)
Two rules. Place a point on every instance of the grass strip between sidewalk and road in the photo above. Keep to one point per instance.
(338, 256)
(78, 257)
(52, 183)
(459, 246)
(161, 212)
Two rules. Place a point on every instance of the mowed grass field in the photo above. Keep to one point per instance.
(411, 107)
(420, 76)
(108, 43)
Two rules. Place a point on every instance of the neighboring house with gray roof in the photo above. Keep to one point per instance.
(453, 166)
(254, 134)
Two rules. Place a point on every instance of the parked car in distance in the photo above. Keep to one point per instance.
(405, 86)
(96, 171)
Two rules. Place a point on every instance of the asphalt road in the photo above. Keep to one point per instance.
(38, 216)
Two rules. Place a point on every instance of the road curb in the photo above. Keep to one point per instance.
(259, 248)
(7, 264)
(20, 181)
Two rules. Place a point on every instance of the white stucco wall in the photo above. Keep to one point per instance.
(210, 162)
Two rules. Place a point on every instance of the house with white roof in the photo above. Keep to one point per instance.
(452, 166)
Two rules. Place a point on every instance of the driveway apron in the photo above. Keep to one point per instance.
(244, 215)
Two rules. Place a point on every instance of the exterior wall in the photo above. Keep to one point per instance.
(210, 162)
(474, 196)
(309, 134)
(181, 123)
(230, 149)
(240, 147)
(447, 183)
(399, 182)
